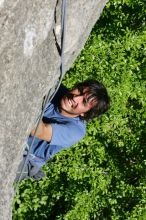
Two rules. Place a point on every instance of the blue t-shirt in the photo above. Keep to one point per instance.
(66, 131)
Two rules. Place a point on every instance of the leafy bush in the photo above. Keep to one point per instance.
(102, 177)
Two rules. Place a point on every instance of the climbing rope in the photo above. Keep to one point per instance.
(50, 94)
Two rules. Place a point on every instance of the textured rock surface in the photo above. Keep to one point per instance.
(29, 65)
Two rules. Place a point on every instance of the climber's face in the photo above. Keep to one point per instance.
(76, 103)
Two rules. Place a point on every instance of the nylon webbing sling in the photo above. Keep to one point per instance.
(50, 95)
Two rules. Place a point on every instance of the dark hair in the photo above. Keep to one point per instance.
(97, 92)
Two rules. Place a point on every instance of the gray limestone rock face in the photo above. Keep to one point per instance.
(29, 66)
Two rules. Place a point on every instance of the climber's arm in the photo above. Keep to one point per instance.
(44, 131)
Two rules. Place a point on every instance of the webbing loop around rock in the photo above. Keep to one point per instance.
(50, 95)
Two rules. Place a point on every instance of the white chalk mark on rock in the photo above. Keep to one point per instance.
(29, 42)
(1, 3)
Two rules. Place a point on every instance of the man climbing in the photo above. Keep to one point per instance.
(63, 123)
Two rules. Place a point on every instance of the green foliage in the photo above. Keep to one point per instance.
(103, 177)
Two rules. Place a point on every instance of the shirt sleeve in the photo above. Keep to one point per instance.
(67, 134)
